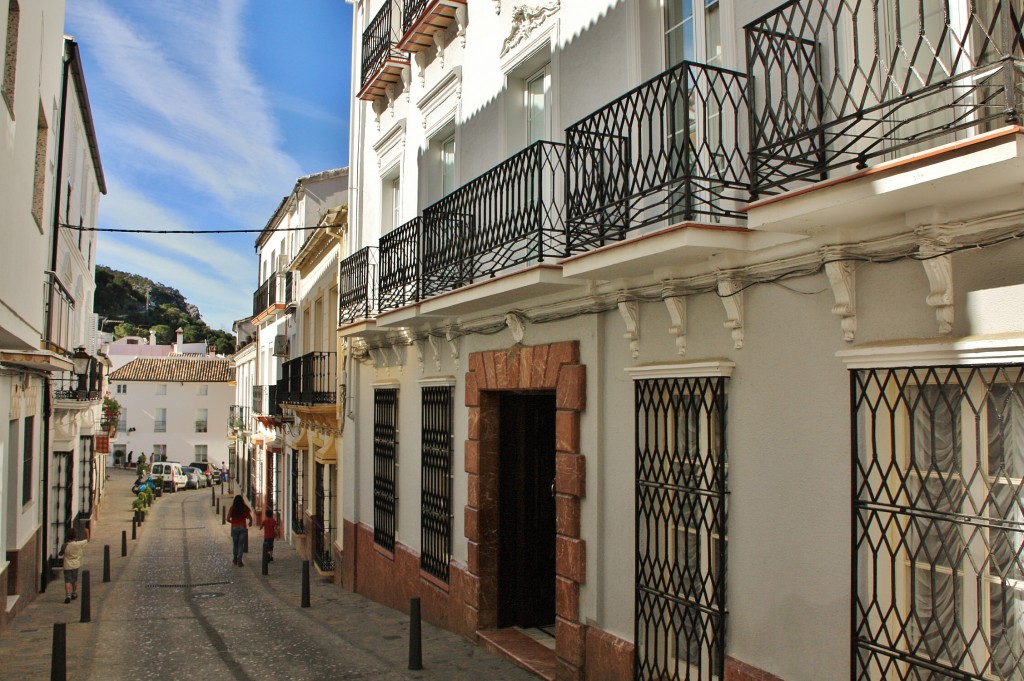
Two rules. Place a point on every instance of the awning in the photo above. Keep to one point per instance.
(301, 442)
(327, 454)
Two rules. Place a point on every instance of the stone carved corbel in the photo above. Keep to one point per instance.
(439, 43)
(940, 280)
(406, 74)
(453, 344)
(421, 63)
(389, 90)
(841, 277)
(516, 326)
(497, 6)
(731, 294)
(379, 107)
(630, 311)
(421, 353)
(677, 312)
(398, 357)
(461, 19)
(435, 345)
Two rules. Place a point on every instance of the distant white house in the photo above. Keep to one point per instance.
(175, 406)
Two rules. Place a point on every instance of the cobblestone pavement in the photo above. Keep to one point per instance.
(177, 608)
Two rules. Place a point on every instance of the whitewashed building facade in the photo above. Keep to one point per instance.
(689, 335)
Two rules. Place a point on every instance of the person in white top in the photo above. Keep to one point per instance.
(73, 551)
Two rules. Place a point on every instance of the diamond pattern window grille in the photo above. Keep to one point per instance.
(436, 492)
(385, 466)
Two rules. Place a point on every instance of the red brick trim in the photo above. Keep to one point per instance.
(737, 670)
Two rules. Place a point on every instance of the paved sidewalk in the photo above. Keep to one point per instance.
(367, 629)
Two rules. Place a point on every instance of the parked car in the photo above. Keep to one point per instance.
(192, 477)
(174, 477)
(208, 471)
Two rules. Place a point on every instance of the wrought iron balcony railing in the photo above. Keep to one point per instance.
(400, 265)
(421, 18)
(670, 149)
(357, 286)
(381, 57)
(311, 379)
(842, 82)
(60, 316)
(264, 400)
(511, 215)
(86, 387)
(276, 290)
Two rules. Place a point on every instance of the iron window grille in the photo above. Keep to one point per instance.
(385, 466)
(357, 286)
(672, 149)
(201, 425)
(841, 82)
(86, 483)
(436, 481)
(298, 480)
(323, 528)
(938, 523)
(680, 528)
(62, 486)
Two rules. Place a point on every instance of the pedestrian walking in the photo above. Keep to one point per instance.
(128, 463)
(73, 551)
(269, 526)
(238, 515)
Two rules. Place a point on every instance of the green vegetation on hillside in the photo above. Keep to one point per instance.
(145, 306)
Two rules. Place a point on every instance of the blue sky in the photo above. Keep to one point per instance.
(206, 113)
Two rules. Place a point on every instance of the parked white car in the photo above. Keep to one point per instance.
(174, 477)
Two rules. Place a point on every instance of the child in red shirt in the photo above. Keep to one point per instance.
(269, 526)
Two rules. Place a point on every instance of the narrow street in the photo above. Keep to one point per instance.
(176, 607)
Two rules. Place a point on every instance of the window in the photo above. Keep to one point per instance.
(161, 389)
(298, 478)
(681, 534)
(204, 390)
(436, 481)
(28, 442)
(11, 54)
(159, 452)
(39, 174)
(200, 453)
(448, 166)
(323, 522)
(201, 418)
(121, 388)
(537, 105)
(160, 420)
(86, 479)
(391, 203)
(385, 466)
(122, 420)
(939, 522)
(693, 32)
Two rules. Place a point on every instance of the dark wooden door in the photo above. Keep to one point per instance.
(526, 506)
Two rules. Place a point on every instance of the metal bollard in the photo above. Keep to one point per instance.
(106, 562)
(124, 543)
(85, 598)
(415, 642)
(59, 653)
(134, 525)
(245, 542)
(218, 507)
(305, 584)
(224, 515)
(265, 567)
(213, 496)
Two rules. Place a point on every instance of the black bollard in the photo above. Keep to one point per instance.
(265, 562)
(415, 643)
(218, 507)
(106, 562)
(305, 584)
(245, 542)
(84, 597)
(59, 653)
(224, 515)
(134, 525)
(124, 543)
(213, 496)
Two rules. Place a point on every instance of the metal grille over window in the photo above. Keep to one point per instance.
(680, 528)
(298, 492)
(385, 466)
(323, 524)
(436, 499)
(938, 523)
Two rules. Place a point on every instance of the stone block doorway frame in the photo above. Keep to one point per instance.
(554, 366)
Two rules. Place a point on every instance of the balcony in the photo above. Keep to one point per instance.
(264, 400)
(275, 291)
(87, 387)
(669, 151)
(842, 83)
(310, 380)
(357, 286)
(382, 60)
(238, 417)
(60, 316)
(400, 265)
(422, 18)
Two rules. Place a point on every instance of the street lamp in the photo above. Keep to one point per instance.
(82, 361)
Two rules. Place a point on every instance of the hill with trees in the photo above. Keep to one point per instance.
(144, 305)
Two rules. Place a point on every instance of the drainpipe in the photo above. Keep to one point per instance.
(71, 53)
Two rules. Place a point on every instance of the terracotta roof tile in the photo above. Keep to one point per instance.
(175, 369)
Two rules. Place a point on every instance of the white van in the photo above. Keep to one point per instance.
(174, 477)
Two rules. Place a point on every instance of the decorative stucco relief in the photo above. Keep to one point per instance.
(525, 20)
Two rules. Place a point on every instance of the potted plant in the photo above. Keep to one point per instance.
(111, 411)
(158, 485)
